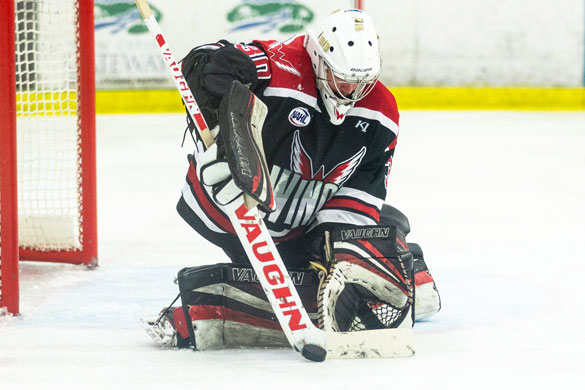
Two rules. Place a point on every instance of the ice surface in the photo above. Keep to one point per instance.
(496, 200)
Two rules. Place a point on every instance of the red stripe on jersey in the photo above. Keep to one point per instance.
(208, 207)
(294, 233)
(290, 65)
(208, 312)
(382, 258)
(353, 204)
(381, 100)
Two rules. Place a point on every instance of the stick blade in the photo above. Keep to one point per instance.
(382, 343)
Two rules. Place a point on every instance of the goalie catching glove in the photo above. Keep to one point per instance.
(368, 283)
(235, 164)
(210, 71)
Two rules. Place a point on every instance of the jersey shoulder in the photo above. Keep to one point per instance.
(290, 65)
(379, 104)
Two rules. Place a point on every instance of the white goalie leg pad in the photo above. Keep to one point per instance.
(220, 334)
(427, 299)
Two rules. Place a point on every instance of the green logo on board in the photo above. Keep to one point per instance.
(287, 17)
(118, 16)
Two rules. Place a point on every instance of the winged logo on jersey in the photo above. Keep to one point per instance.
(302, 164)
(277, 57)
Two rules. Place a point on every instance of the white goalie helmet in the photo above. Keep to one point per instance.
(346, 60)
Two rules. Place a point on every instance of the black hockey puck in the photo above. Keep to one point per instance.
(314, 352)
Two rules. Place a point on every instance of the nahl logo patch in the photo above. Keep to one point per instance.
(299, 117)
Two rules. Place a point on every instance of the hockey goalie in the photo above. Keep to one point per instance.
(306, 129)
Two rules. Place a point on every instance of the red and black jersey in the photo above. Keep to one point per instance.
(320, 172)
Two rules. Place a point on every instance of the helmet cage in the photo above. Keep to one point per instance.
(362, 89)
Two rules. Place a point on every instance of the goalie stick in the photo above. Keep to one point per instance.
(312, 342)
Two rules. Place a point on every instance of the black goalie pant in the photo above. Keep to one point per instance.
(295, 253)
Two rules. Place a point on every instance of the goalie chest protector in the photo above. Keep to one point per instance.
(309, 158)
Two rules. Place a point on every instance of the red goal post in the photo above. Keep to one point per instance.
(48, 208)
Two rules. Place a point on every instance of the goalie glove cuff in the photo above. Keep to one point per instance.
(214, 173)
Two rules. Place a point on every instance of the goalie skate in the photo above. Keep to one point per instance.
(166, 329)
(161, 331)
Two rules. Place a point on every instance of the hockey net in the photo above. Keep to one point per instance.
(54, 94)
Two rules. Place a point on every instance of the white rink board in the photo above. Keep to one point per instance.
(423, 42)
(121, 55)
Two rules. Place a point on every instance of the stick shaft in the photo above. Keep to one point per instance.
(176, 73)
(144, 8)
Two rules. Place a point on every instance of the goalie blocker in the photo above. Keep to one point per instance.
(236, 162)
